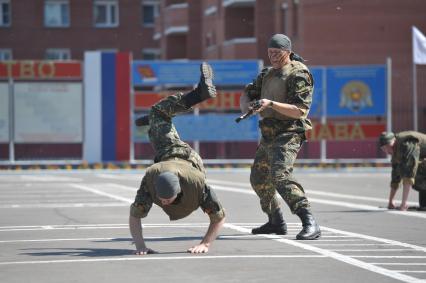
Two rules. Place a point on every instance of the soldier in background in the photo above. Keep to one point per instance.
(177, 180)
(408, 151)
(285, 96)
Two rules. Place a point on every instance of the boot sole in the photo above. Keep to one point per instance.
(279, 233)
(207, 76)
(309, 238)
(207, 71)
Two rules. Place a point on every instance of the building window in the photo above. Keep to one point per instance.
(58, 54)
(5, 54)
(105, 13)
(56, 13)
(151, 54)
(5, 14)
(149, 12)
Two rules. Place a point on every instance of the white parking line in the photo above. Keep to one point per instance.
(345, 245)
(401, 263)
(411, 271)
(319, 252)
(49, 178)
(63, 205)
(349, 259)
(312, 192)
(330, 202)
(152, 258)
(101, 193)
(343, 258)
(388, 256)
(370, 250)
(112, 239)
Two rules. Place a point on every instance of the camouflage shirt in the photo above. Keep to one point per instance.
(292, 84)
(409, 150)
(194, 192)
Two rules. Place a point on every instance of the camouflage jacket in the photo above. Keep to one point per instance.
(293, 84)
(409, 149)
(194, 192)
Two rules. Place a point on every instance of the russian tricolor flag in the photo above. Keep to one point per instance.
(106, 106)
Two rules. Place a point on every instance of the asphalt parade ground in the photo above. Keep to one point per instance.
(71, 226)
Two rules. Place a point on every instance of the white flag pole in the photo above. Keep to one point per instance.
(419, 57)
(415, 124)
(389, 94)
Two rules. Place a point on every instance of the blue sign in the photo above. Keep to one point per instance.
(212, 128)
(317, 98)
(356, 91)
(184, 73)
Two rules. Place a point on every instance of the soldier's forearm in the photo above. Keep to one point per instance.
(287, 109)
(135, 227)
(212, 232)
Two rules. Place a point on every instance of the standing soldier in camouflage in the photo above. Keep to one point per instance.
(177, 180)
(408, 151)
(285, 96)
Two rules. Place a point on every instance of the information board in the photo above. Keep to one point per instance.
(48, 112)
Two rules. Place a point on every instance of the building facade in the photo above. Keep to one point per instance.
(65, 29)
(325, 32)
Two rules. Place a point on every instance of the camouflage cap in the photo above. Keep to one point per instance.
(280, 41)
(385, 138)
(167, 185)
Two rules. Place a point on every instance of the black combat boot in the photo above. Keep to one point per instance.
(205, 88)
(275, 225)
(422, 201)
(311, 229)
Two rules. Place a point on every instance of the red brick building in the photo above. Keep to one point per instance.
(64, 29)
(326, 32)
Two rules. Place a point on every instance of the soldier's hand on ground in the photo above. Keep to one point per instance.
(145, 251)
(201, 248)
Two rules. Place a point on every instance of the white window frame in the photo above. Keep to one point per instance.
(63, 54)
(2, 23)
(156, 7)
(151, 51)
(109, 4)
(6, 54)
(61, 24)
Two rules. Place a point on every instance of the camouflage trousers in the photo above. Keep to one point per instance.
(272, 171)
(420, 179)
(164, 136)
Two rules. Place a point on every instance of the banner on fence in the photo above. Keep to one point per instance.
(182, 73)
(225, 100)
(210, 128)
(345, 131)
(40, 70)
(356, 91)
